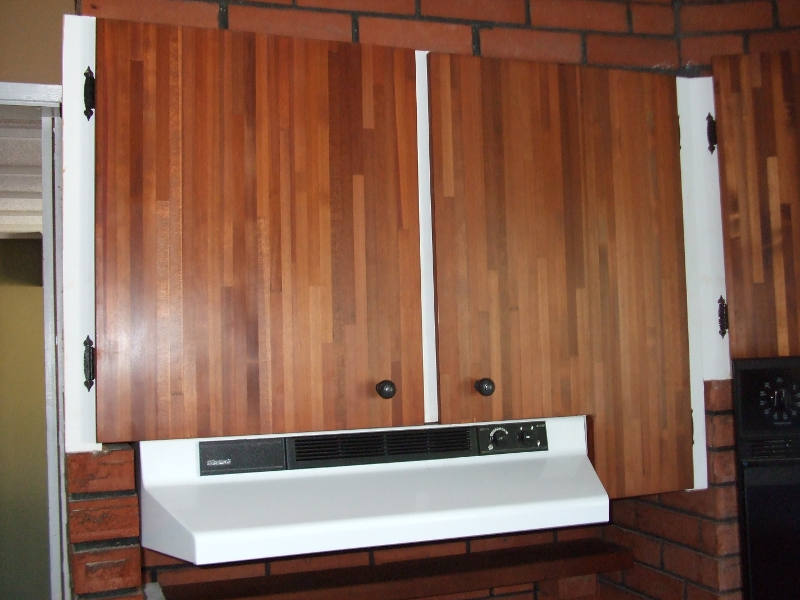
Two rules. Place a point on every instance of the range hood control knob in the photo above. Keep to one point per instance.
(499, 437)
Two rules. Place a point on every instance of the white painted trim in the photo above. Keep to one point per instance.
(709, 354)
(429, 363)
(30, 94)
(51, 188)
(78, 234)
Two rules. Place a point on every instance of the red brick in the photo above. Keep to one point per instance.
(732, 16)
(420, 35)
(650, 18)
(698, 50)
(696, 593)
(569, 587)
(103, 519)
(151, 558)
(416, 551)
(719, 428)
(110, 470)
(496, 11)
(459, 596)
(545, 46)
(579, 14)
(208, 574)
(718, 395)
(658, 521)
(721, 466)
(645, 548)
(319, 562)
(609, 591)
(718, 502)
(512, 589)
(718, 538)
(397, 7)
(106, 570)
(511, 541)
(169, 12)
(717, 573)
(789, 13)
(773, 42)
(631, 51)
(579, 533)
(298, 23)
(653, 582)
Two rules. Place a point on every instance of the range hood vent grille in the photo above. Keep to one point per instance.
(388, 446)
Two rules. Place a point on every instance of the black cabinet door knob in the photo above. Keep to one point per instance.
(386, 389)
(485, 386)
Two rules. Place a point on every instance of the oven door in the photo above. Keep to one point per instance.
(770, 494)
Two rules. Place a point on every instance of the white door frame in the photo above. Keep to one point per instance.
(48, 99)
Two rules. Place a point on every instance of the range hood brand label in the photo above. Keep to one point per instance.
(241, 456)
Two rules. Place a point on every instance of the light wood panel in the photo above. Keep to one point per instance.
(559, 257)
(257, 234)
(758, 108)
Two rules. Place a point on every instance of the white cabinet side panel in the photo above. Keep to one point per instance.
(429, 364)
(709, 355)
(78, 234)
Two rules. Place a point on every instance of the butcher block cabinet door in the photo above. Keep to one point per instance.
(758, 129)
(257, 243)
(559, 257)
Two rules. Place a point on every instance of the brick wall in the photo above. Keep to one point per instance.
(669, 36)
(168, 571)
(685, 544)
(103, 525)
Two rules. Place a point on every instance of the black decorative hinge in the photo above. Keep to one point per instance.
(722, 313)
(88, 362)
(711, 132)
(88, 93)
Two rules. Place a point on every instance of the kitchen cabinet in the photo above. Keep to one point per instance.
(257, 244)
(257, 236)
(757, 100)
(559, 257)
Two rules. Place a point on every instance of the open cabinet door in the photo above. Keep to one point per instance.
(257, 234)
(758, 129)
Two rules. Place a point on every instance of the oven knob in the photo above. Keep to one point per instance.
(499, 437)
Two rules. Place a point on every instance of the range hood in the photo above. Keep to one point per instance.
(231, 499)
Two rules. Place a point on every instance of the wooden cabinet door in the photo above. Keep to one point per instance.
(257, 242)
(758, 129)
(559, 257)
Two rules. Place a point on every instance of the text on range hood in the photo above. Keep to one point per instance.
(490, 488)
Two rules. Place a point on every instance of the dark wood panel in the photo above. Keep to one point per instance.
(257, 234)
(559, 257)
(758, 108)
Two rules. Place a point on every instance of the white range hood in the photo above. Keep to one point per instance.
(232, 517)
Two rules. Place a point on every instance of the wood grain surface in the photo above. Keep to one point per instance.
(758, 127)
(559, 257)
(257, 237)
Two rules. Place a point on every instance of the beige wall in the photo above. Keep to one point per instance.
(24, 559)
(30, 40)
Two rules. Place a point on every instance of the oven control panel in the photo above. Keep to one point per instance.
(518, 436)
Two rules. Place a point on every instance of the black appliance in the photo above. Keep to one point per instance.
(766, 396)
